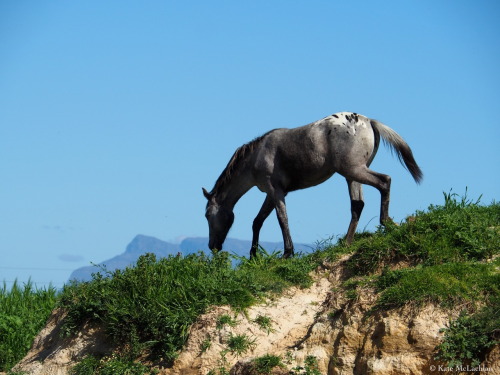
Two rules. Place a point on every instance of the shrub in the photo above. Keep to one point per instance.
(467, 338)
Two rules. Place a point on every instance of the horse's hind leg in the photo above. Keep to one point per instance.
(265, 211)
(357, 204)
(381, 182)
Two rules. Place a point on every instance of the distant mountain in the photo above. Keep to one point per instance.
(142, 244)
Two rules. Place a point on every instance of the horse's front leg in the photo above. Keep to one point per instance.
(265, 210)
(279, 202)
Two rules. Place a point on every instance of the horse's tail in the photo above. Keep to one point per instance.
(397, 144)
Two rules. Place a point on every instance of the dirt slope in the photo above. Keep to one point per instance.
(319, 321)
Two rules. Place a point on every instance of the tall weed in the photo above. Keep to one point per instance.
(23, 312)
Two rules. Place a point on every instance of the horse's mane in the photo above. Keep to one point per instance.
(238, 157)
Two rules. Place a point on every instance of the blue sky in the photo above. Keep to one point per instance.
(114, 114)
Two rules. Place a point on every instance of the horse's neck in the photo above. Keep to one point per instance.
(235, 188)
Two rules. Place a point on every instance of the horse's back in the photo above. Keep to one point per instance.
(308, 155)
(344, 133)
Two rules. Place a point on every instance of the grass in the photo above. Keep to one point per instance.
(448, 285)
(91, 365)
(226, 320)
(461, 230)
(310, 367)
(265, 364)
(205, 345)
(265, 323)
(240, 344)
(24, 311)
(447, 255)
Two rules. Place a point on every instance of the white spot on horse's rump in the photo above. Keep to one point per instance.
(348, 120)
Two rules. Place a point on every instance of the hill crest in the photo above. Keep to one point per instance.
(142, 244)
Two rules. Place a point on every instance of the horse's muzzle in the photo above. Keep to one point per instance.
(215, 245)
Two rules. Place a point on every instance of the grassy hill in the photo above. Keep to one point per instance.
(446, 255)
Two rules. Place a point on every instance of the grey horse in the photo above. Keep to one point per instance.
(285, 160)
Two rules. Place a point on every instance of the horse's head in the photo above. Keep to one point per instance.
(220, 219)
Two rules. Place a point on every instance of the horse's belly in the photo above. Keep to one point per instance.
(309, 177)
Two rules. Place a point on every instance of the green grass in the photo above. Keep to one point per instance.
(91, 365)
(240, 344)
(310, 367)
(23, 313)
(205, 345)
(449, 284)
(460, 230)
(265, 323)
(448, 252)
(226, 320)
(265, 364)
(87, 366)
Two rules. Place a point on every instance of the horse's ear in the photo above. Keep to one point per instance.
(206, 194)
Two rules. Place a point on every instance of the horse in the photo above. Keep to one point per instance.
(284, 160)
